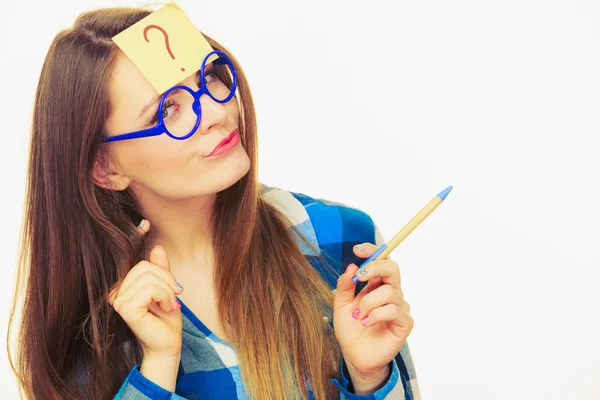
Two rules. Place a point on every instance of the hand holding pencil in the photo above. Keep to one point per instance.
(372, 327)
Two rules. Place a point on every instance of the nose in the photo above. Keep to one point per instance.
(213, 115)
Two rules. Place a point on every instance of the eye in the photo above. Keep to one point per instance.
(210, 76)
(166, 113)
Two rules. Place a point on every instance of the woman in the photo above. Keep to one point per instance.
(103, 313)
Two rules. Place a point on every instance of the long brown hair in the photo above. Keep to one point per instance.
(79, 240)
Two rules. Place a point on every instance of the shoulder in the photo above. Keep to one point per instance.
(327, 222)
(332, 227)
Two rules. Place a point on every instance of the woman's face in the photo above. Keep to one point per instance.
(164, 166)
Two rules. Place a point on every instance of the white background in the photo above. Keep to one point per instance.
(382, 105)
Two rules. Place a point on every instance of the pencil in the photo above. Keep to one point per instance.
(388, 247)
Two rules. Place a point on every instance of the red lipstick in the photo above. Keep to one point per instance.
(226, 144)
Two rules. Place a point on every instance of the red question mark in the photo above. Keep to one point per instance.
(146, 29)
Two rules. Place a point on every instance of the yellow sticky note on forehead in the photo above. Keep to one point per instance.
(165, 46)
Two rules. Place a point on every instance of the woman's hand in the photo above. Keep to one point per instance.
(371, 327)
(146, 301)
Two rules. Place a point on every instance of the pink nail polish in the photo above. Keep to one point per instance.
(365, 320)
(178, 303)
(356, 313)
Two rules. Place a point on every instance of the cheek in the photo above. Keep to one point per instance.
(152, 157)
(233, 109)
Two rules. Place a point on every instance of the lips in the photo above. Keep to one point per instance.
(225, 145)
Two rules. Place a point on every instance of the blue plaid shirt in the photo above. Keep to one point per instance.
(209, 368)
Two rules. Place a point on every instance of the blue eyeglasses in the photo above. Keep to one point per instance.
(219, 83)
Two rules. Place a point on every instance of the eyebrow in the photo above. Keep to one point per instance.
(152, 102)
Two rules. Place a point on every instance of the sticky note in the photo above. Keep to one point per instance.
(165, 46)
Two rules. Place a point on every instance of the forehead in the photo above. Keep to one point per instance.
(129, 88)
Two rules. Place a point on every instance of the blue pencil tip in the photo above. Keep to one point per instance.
(442, 195)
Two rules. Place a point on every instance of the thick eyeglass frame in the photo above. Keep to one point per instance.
(161, 127)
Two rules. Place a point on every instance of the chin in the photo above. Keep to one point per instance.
(232, 171)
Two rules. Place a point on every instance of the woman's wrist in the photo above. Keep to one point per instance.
(161, 370)
(368, 384)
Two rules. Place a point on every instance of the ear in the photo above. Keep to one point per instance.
(107, 177)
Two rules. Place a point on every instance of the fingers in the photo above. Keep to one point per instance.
(370, 252)
(158, 256)
(137, 275)
(136, 306)
(391, 313)
(146, 273)
(386, 270)
(383, 295)
(382, 299)
(364, 250)
(112, 294)
(344, 292)
(149, 278)
(145, 266)
(143, 227)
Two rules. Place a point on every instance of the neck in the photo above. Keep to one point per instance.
(182, 228)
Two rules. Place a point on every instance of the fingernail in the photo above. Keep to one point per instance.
(365, 320)
(174, 305)
(178, 303)
(359, 247)
(142, 222)
(179, 286)
(362, 272)
(356, 313)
